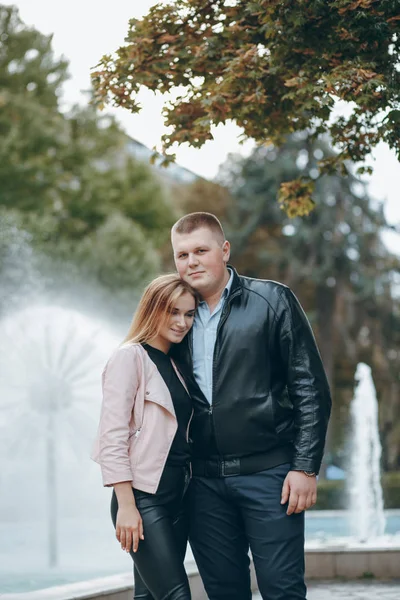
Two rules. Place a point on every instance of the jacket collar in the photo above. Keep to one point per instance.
(236, 287)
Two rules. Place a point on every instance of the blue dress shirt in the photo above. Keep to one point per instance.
(204, 337)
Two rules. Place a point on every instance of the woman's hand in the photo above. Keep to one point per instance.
(129, 527)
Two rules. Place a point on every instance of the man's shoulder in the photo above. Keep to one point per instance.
(278, 296)
(267, 288)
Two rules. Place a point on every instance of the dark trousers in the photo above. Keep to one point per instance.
(159, 572)
(230, 514)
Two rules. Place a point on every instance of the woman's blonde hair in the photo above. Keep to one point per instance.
(153, 310)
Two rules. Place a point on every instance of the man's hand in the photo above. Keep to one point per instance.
(300, 491)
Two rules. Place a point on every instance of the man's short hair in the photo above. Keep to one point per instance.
(196, 220)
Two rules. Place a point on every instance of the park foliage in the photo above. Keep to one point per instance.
(66, 176)
(274, 67)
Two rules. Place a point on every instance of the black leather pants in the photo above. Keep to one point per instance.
(159, 571)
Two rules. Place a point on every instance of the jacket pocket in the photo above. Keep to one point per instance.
(135, 446)
(135, 433)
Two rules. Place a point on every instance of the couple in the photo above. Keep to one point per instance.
(213, 422)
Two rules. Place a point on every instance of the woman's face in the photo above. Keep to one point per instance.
(179, 321)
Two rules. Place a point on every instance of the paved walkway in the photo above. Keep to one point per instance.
(352, 591)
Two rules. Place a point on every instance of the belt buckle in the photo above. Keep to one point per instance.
(230, 467)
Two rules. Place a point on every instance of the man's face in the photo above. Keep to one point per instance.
(200, 259)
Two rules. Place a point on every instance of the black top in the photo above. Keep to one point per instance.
(179, 453)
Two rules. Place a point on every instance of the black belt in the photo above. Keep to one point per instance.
(219, 467)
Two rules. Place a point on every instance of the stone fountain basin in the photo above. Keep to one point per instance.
(350, 559)
(331, 552)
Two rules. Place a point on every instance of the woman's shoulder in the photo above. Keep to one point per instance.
(127, 360)
(127, 351)
(133, 347)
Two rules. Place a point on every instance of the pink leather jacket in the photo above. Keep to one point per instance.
(137, 421)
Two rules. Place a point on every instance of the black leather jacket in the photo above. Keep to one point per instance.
(269, 384)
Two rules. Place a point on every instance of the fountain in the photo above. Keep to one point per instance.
(363, 482)
(369, 550)
(50, 369)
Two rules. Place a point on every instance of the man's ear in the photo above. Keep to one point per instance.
(226, 250)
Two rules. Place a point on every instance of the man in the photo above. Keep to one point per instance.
(262, 405)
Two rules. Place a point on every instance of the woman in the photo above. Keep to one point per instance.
(142, 442)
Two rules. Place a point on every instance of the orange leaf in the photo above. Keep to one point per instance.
(293, 82)
(167, 38)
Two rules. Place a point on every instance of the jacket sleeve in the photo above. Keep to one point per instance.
(307, 384)
(120, 385)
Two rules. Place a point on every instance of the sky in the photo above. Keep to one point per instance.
(84, 30)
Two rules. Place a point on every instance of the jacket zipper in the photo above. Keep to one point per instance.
(187, 439)
(188, 426)
(190, 345)
(180, 377)
(224, 316)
